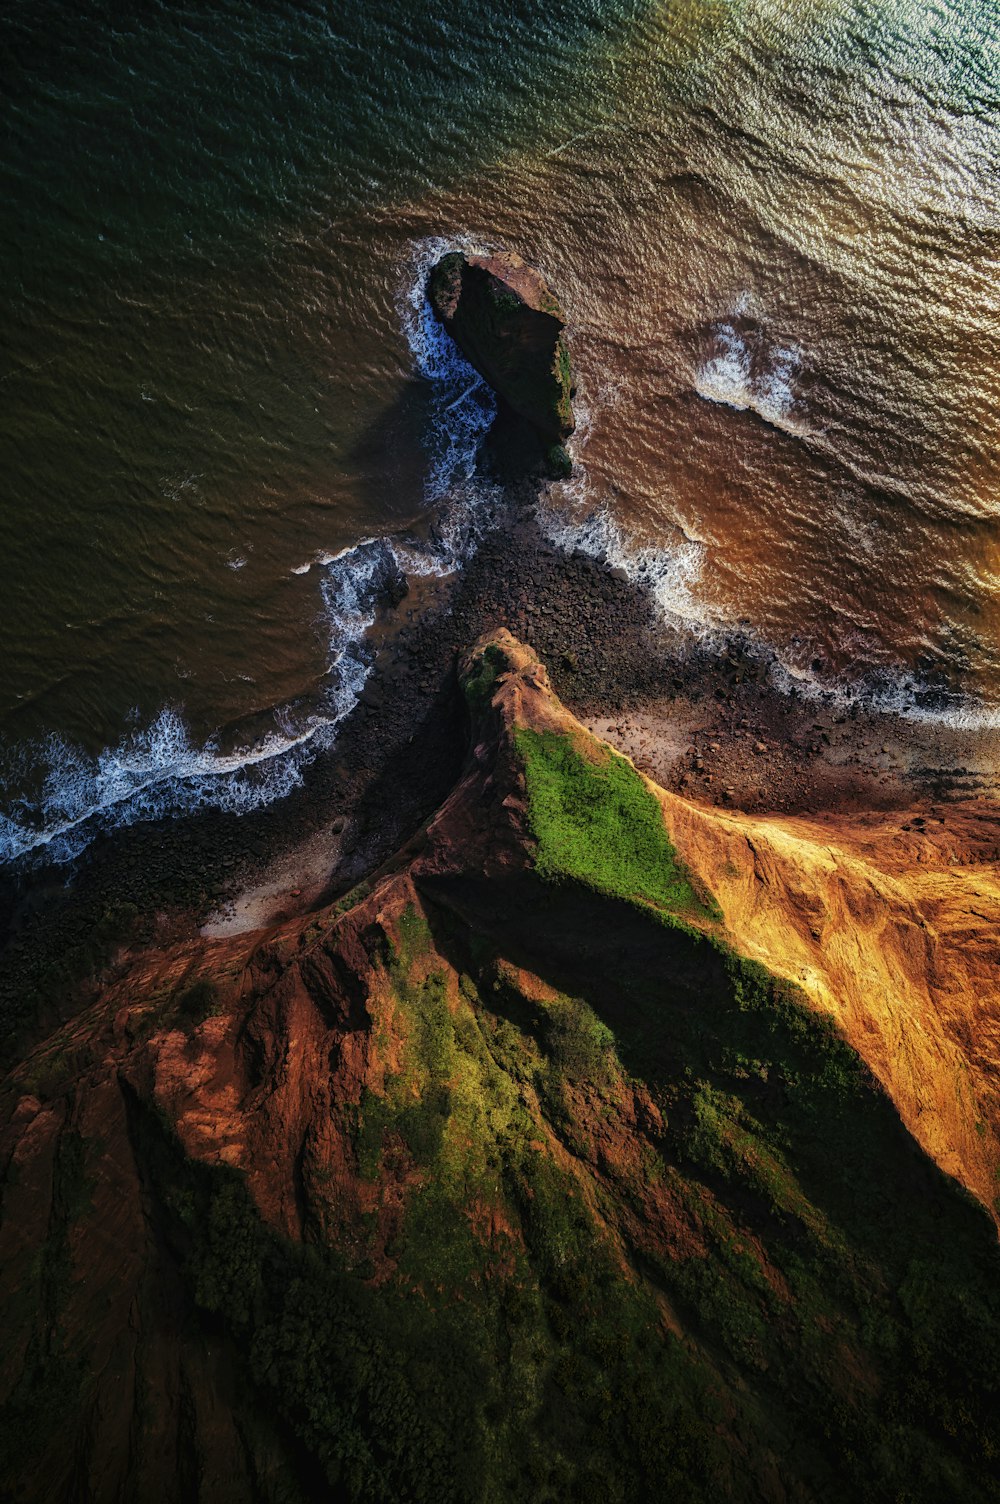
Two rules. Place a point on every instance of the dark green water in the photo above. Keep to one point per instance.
(775, 227)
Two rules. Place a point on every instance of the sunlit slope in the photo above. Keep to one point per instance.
(892, 930)
(533, 1168)
(889, 923)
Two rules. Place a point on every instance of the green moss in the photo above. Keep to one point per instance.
(564, 377)
(480, 683)
(508, 342)
(507, 303)
(351, 899)
(414, 939)
(559, 462)
(579, 1045)
(445, 279)
(491, 1366)
(595, 821)
(661, 1127)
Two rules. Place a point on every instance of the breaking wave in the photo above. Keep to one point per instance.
(746, 371)
(579, 521)
(462, 406)
(159, 770)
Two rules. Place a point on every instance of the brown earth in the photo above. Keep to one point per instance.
(258, 1052)
(668, 705)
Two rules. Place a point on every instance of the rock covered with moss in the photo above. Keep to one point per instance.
(509, 325)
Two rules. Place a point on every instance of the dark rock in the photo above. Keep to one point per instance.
(508, 324)
(559, 462)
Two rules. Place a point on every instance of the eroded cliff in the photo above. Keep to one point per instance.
(510, 327)
(593, 1149)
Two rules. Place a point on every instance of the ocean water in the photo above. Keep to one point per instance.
(227, 420)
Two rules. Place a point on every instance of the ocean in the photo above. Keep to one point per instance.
(227, 419)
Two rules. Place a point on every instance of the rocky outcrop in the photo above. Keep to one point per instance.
(509, 326)
(534, 1169)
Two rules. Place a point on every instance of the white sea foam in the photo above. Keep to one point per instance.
(153, 773)
(462, 405)
(888, 692)
(575, 519)
(747, 372)
(160, 770)
(577, 522)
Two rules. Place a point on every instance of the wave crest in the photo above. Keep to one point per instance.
(160, 771)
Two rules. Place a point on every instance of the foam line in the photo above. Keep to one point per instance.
(160, 771)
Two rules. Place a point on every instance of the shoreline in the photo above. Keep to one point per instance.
(710, 726)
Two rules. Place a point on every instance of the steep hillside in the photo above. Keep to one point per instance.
(586, 1152)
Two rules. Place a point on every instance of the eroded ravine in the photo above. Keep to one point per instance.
(579, 1149)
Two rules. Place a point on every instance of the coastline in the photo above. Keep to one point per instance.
(712, 727)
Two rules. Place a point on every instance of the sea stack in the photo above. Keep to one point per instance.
(509, 325)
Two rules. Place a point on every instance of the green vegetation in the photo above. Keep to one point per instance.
(351, 899)
(480, 684)
(629, 1220)
(595, 821)
(517, 1363)
(488, 321)
(559, 462)
(507, 303)
(503, 1337)
(564, 377)
(445, 279)
(558, 1160)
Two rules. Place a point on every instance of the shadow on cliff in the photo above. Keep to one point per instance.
(392, 459)
(790, 1149)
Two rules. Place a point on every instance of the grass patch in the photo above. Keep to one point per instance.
(595, 821)
(481, 682)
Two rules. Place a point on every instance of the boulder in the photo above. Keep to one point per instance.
(510, 327)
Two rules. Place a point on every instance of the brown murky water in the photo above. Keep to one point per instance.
(775, 228)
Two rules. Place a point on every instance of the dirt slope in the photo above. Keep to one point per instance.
(533, 1168)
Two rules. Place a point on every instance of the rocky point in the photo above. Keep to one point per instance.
(510, 327)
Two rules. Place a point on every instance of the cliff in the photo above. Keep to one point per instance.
(594, 1148)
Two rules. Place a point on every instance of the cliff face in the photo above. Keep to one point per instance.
(510, 327)
(535, 1169)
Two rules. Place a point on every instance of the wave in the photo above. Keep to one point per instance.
(462, 406)
(577, 520)
(160, 771)
(748, 372)
(897, 693)
(153, 773)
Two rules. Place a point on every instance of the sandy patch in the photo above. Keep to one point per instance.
(294, 882)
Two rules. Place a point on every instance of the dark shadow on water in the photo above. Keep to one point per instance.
(389, 462)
